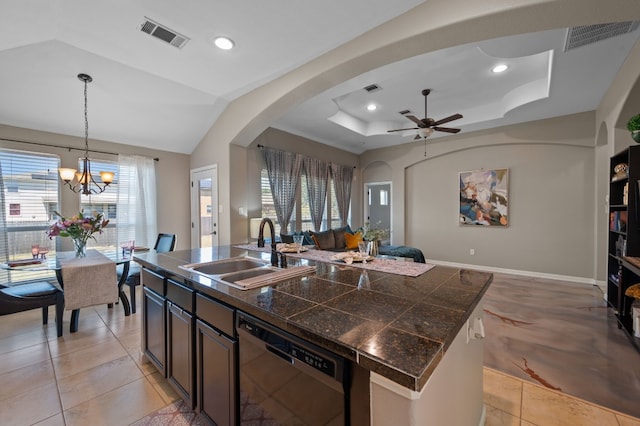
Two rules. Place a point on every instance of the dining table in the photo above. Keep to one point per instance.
(55, 261)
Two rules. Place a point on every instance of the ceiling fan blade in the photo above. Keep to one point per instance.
(446, 129)
(448, 119)
(416, 120)
(402, 130)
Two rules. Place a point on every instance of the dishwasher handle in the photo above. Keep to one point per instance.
(284, 356)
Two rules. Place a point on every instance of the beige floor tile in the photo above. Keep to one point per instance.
(21, 341)
(88, 384)
(71, 342)
(22, 322)
(627, 421)
(502, 391)
(163, 388)
(31, 407)
(121, 406)
(84, 359)
(545, 407)
(26, 379)
(131, 341)
(57, 420)
(124, 326)
(22, 357)
(497, 417)
(89, 319)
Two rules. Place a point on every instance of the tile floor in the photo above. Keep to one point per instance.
(97, 376)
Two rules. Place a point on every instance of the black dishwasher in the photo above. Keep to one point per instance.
(286, 380)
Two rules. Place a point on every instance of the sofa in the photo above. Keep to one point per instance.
(344, 238)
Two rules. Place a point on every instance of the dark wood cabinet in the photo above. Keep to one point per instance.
(180, 343)
(191, 339)
(217, 361)
(153, 328)
(624, 231)
(216, 358)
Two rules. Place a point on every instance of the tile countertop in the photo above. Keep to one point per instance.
(399, 328)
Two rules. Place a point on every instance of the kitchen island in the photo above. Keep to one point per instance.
(412, 343)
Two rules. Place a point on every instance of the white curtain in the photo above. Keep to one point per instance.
(136, 216)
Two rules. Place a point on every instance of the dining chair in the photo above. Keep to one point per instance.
(24, 297)
(164, 243)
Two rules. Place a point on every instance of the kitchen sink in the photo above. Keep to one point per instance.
(245, 273)
(218, 267)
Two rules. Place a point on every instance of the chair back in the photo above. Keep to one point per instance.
(165, 243)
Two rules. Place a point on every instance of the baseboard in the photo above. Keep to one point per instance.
(580, 280)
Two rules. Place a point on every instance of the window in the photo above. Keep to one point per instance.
(301, 217)
(29, 195)
(384, 197)
(105, 203)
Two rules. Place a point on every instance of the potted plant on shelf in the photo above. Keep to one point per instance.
(634, 127)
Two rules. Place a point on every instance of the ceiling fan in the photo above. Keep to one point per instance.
(429, 124)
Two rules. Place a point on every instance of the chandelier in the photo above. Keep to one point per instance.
(82, 181)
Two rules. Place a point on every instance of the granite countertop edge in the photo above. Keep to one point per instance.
(167, 264)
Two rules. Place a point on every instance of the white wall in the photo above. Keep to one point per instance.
(551, 188)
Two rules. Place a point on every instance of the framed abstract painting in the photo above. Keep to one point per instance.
(484, 198)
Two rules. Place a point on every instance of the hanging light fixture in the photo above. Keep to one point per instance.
(84, 182)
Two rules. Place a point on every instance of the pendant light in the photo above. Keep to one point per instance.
(84, 181)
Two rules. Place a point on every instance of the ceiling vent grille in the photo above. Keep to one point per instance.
(163, 33)
(372, 88)
(589, 34)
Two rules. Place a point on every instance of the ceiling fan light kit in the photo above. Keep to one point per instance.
(427, 125)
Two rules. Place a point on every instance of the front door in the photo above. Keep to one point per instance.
(204, 207)
(378, 205)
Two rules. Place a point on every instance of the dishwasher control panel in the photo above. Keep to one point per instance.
(290, 347)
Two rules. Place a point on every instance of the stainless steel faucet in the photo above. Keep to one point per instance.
(274, 251)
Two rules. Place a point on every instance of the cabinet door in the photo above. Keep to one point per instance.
(217, 376)
(153, 328)
(180, 371)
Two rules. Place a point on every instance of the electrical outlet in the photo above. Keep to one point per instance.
(472, 252)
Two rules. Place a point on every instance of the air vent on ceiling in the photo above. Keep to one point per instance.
(404, 112)
(163, 33)
(372, 88)
(589, 34)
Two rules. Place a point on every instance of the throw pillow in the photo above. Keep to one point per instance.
(352, 240)
(286, 238)
(338, 236)
(324, 240)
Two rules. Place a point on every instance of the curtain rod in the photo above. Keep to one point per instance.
(262, 146)
(69, 148)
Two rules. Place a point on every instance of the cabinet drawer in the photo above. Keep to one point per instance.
(180, 295)
(216, 314)
(154, 281)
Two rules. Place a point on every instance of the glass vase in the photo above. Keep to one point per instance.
(80, 247)
(375, 247)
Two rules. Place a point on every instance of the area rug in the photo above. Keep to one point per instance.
(179, 414)
(175, 414)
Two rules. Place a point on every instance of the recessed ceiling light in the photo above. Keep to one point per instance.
(500, 68)
(224, 43)
(371, 107)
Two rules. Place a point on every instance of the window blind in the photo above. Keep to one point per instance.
(29, 191)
